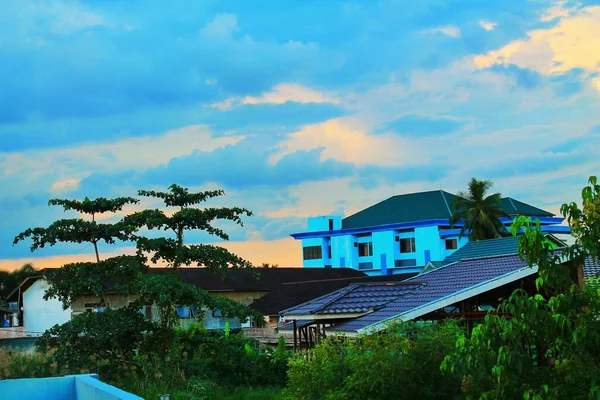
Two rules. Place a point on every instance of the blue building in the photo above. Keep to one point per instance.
(399, 235)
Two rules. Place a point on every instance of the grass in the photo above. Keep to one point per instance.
(247, 393)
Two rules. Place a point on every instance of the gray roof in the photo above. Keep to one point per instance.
(591, 267)
(440, 283)
(353, 299)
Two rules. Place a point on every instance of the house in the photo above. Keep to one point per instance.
(467, 288)
(401, 234)
(291, 294)
(244, 286)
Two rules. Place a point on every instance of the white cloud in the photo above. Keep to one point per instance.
(137, 152)
(452, 31)
(487, 25)
(347, 140)
(574, 42)
(280, 94)
(65, 185)
(223, 25)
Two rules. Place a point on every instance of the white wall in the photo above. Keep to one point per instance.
(39, 314)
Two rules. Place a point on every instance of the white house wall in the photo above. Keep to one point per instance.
(39, 314)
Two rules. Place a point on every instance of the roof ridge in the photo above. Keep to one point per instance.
(511, 203)
(348, 289)
(446, 202)
(484, 257)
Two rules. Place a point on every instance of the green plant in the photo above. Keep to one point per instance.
(103, 342)
(550, 347)
(403, 363)
(479, 212)
(15, 365)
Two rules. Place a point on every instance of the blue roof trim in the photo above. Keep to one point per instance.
(404, 225)
(545, 228)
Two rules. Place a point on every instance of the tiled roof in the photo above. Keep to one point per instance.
(438, 284)
(424, 206)
(256, 279)
(485, 248)
(356, 298)
(591, 267)
(516, 207)
(291, 294)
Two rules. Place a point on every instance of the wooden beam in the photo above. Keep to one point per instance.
(295, 334)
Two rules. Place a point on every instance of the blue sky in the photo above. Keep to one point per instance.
(295, 108)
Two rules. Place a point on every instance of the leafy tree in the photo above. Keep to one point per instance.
(169, 291)
(550, 347)
(479, 211)
(76, 279)
(9, 280)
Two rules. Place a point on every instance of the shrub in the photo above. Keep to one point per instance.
(402, 363)
(16, 365)
(103, 342)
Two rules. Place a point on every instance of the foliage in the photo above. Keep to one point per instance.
(11, 280)
(85, 278)
(117, 274)
(230, 359)
(550, 348)
(16, 365)
(103, 342)
(403, 363)
(168, 292)
(480, 212)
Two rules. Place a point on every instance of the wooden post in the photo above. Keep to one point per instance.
(295, 334)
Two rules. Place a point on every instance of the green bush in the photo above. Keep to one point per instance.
(402, 363)
(229, 359)
(16, 365)
(103, 342)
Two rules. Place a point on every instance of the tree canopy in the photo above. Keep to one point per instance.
(550, 347)
(479, 211)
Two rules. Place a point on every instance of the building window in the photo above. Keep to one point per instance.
(329, 251)
(451, 244)
(407, 245)
(365, 249)
(217, 313)
(330, 224)
(94, 307)
(312, 252)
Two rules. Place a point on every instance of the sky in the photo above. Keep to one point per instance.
(295, 109)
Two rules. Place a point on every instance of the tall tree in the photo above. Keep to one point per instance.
(9, 280)
(479, 212)
(75, 279)
(168, 291)
(550, 347)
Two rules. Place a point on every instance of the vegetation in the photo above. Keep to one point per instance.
(550, 348)
(401, 364)
(479, 211)
(11, 280)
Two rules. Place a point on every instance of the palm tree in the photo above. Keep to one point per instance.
(480, 212)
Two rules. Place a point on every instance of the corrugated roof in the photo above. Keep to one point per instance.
(424, 206)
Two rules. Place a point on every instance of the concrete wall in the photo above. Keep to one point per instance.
(386, 258)
(73, 387)
(39, 314)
